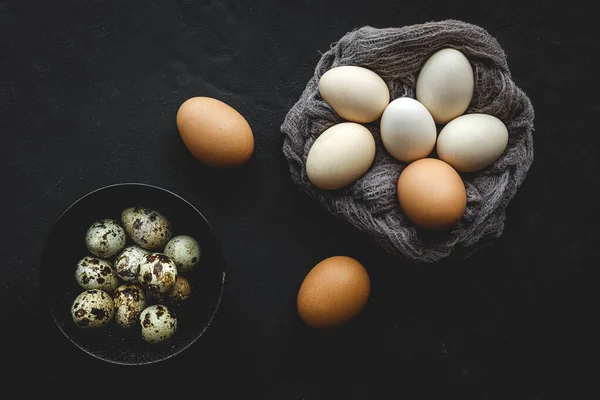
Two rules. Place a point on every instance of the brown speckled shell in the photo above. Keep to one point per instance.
(92, 309)
(181, 290)
(158, 323)
(96, 273)
(130, 301)
(147, 228)
(105, 238)
(157, 273)
(127, 263)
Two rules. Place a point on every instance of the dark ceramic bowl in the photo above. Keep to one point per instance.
(66, 245)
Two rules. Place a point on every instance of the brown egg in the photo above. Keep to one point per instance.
(214, 132)
(333, 292)
(181, 290)
(432, 194)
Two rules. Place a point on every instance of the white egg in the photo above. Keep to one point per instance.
(95, 273)
(185, 251)
(340, 156)
(445, 85)
(147, 228)
(157, 273)
(105, 238)
(92, 309)
(408, 131)
(127, 263)
(130, 301)
(357, 94)
(158, 323)
(472, 142)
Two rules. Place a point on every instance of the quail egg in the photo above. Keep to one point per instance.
(127, 263)
(92, 309)
(157, 273)
(129, 301)
(105, 238)
(147, 228)
(185, 251)
(181, 290)
(95, 273)
(158, 323)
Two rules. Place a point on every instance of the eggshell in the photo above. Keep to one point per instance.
(158, 323)
(147, 228)
(340, 156)
(357, 94)
(445, 85)
(129, 301)
(127, 263)
(432, 194)
(333, 292)
(181, 291)
(185, 251)
(157, 273)
(105, 238)
(215, 133)
(96, 273)
(472, 142)
(92, 309)
(408, 131)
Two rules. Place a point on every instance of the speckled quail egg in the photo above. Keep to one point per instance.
(157, 273)
(130, 301)
(105, 238)
(95, 273)
(185, 251)
(92, 309)
(147, 228)
(158, 323)
(127, 263)
(181, 290)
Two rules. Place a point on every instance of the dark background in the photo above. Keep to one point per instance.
(88, 96)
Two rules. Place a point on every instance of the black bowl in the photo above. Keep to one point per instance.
(66, 245)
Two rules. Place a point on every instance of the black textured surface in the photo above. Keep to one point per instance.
(88, 96)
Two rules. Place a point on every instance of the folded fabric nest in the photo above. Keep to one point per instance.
(370, 204)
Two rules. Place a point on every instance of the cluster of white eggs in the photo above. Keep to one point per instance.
(445, 85)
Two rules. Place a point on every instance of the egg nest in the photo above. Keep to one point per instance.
(370, 204)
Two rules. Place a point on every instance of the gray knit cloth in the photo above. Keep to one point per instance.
(370, 204)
